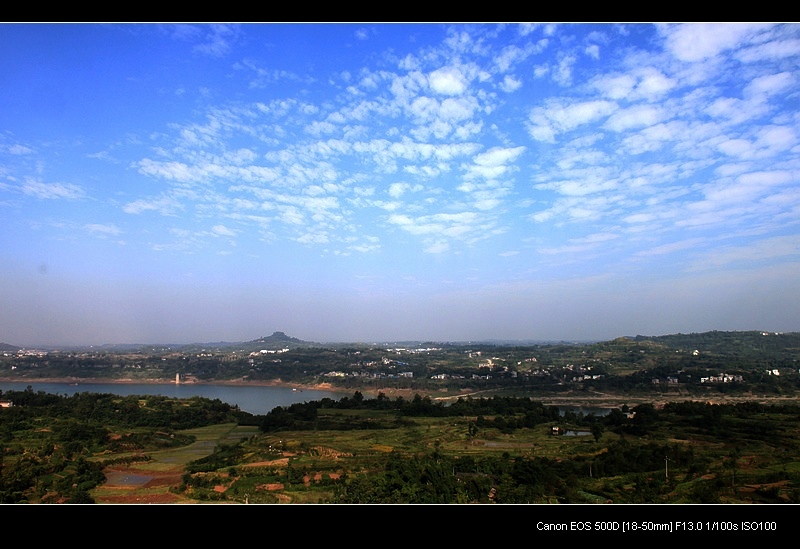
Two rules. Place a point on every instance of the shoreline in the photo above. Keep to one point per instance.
(598, 400)
(191, 381)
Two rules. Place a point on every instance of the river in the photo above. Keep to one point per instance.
(256, 399)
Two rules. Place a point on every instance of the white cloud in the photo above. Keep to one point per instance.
(510, 84)
(771, 84)
(439, 229)
(222, 230)
(52, 191)
(562, 72)
(653, 84)
(770, 51)
(580, 187)
(615, 87)
(396, 190)
(216, 39)
(498, 156)
(776, 138)
(177, 171)
(164, 205)
(448, 81)
(559, 117)
(638, 116)
(103, 229)
(699, 41)
(760, 250)
(19, 149)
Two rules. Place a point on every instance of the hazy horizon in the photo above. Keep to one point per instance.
(362, 342)
(46, 346)
(357, 182)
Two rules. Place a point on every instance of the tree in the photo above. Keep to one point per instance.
(81, 496)
(645, 415)
(734, 462)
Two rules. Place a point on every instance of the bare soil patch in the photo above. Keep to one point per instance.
(139, 486)
(282, 462)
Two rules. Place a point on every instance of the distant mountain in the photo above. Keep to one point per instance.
(278, 340)
(713, 341)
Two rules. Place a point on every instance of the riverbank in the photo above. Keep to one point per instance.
(188, 381)
(320, 386)
(589, 400)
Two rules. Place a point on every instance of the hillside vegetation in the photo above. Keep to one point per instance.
(60, 449)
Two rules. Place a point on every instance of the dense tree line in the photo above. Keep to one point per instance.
(439, 478)
(106, 408)
(305, 416)
(47, 440)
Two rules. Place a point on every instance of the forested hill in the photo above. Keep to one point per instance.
(743, 344)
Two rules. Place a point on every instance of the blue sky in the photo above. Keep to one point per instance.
(178, 183)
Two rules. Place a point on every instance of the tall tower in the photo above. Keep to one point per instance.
(177, 378)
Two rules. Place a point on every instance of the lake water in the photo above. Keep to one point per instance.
(255, 399)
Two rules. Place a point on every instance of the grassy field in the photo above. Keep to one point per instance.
(753, 459)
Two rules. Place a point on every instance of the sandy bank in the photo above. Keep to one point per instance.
(190, 381)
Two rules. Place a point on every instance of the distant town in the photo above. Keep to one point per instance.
(754, 362)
